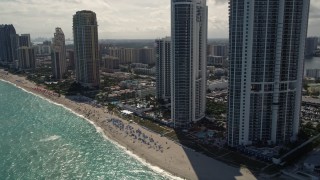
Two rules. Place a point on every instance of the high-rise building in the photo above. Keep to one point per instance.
(189, 21)
(110, 63)
(313, 73)
(163, 68)
(47, 43)
(125, 55)
(24, 40)
(267, 42)
(85, 32)
(26, 53)
(218, 50)
(8, 44)
(70, 57)
(58, 56)
(43, 49)
(147, 56)
(132, 55)
(26, 57)
(311, 46)
(129, 55)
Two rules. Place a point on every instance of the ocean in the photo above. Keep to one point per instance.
(41, 140)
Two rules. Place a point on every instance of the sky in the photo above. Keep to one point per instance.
(117, 19)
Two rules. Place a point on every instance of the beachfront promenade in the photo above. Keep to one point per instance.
(151, 147)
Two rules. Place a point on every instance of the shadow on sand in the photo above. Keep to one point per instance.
(223, 164)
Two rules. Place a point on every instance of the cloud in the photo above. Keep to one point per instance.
(314, 18)
(116, 18)
(314, 10)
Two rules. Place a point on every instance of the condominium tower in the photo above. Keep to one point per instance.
(311, 46)
(85, 32)
(189, 19)
(59, 64)
(163, 68)
(8, 44)
(266, 44)
(25, 53)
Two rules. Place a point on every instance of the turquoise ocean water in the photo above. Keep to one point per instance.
(41, 140)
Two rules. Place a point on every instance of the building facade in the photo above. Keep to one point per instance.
(26, 58)
(218, 50)
(125, 55)
(189, 19)
(147, 56)
(110, 63)
(42, 49)
(58, 56)
(8, 44)
(267, 42)
(85, 32)
(163, 68)
(313, 73)
(24, 40)
(217, 61)
(311, 46)
(70, 58)
(133, 55)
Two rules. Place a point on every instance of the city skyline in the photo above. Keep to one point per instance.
(35, 17)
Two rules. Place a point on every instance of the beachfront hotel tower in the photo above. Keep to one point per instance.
(58, 54)
(85, 33)
(189, 21)
(8, 44)
(266, 44)
(163, 69)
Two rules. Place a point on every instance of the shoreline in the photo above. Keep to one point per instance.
(100, 130)
(163, 156)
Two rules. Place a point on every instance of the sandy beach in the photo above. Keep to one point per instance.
(154, 149)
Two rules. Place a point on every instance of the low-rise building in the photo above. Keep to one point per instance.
(122, 94)
(144, 71)
(129, 84)
(146, 91)
(218, 85)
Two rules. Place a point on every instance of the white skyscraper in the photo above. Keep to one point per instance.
(59, 66)
(189, 19)
(267, 40)
(163, 73)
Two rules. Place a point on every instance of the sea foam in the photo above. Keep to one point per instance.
(51, 138)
